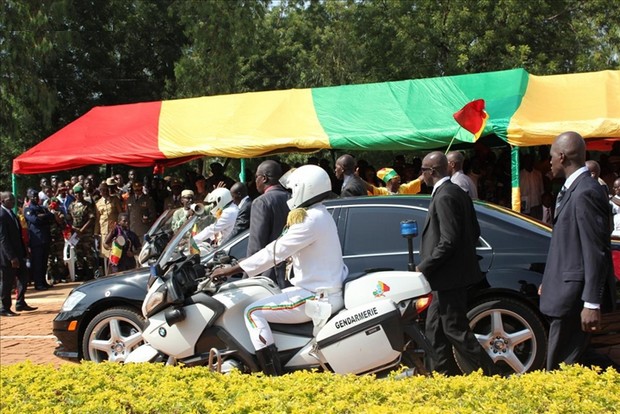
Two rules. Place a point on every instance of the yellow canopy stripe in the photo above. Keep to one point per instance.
(240, 126)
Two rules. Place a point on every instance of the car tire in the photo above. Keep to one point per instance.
(511, 333)
(112, 335)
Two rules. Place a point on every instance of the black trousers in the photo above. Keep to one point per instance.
(567, 341)
(447, 326)
(38, 262)
(7, 283)
(7, 277)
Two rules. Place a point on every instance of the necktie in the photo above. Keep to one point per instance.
(14, 217)
(558, 200)
(547, 215)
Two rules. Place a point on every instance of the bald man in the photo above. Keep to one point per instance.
(352, 185)
(579, 265)
(449, 262)
(458, 177)
(239, 192)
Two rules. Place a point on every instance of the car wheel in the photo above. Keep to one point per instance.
(112, 335)
(511, 333)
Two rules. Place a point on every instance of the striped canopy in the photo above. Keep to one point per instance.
(416, 114)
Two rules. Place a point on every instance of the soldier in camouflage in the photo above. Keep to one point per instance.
(83, 217)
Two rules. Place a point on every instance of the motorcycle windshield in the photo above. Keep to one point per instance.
(163, 222)
(182, 241)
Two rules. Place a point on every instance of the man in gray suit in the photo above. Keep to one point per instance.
(449, 262)
(579, 264)
(268, 216)
(352, 185)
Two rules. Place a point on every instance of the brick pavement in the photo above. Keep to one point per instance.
(29, 336)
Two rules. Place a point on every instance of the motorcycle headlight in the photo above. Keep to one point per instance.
(73, 299)
(155, 299)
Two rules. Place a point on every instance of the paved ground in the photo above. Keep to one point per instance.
(29, 336)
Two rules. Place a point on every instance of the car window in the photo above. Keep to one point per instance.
(239, 250)
(376, 229)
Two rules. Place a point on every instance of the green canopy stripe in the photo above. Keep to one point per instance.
(416, 114)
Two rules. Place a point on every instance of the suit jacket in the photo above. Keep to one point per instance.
(448, 246)
(11, 242)
(242, 222)
(39, 228)
(355, 187)
(267, 218)
(579, 264)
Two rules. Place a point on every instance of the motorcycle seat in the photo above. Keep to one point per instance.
(353, 276)
(297, 329)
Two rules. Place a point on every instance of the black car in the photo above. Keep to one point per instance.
(102, 320)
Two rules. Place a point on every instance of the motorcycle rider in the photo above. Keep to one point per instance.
(310, 238)
(225, 211)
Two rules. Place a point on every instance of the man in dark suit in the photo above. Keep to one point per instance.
(579, 265)
(352, 185)
(12, 252)
(449, 262)
(239, 192)
(269, 214)
(39, 221)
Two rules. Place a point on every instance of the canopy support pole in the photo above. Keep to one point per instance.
(242, 176)
(14, 189)
(516, 191)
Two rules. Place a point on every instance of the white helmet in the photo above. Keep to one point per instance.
(219, 199)
(309, 184)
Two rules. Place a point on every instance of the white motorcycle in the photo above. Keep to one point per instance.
(194, 320)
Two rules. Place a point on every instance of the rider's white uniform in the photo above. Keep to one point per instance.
(317, 265)
(223, 226)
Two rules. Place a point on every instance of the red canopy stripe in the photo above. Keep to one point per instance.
(131, 139)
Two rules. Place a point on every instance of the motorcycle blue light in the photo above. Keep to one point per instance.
(409, 228)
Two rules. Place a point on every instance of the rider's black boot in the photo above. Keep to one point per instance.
(269, 360)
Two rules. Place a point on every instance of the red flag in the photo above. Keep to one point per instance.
(473, 117)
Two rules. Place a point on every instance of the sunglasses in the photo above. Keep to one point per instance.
(425, 169)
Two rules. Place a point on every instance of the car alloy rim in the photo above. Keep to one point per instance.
(115, 337)
(510, 338)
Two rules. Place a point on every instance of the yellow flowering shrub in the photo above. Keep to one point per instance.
(149, 388)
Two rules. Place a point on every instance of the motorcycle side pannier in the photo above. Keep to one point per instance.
(362, 339)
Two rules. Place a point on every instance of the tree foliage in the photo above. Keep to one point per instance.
(60, 58)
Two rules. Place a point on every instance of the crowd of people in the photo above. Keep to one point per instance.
(108, 223)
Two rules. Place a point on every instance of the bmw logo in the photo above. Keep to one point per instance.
(162, 332)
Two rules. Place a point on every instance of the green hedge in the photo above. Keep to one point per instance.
(145, 388)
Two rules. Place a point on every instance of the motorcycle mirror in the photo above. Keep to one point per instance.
(154, 267)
